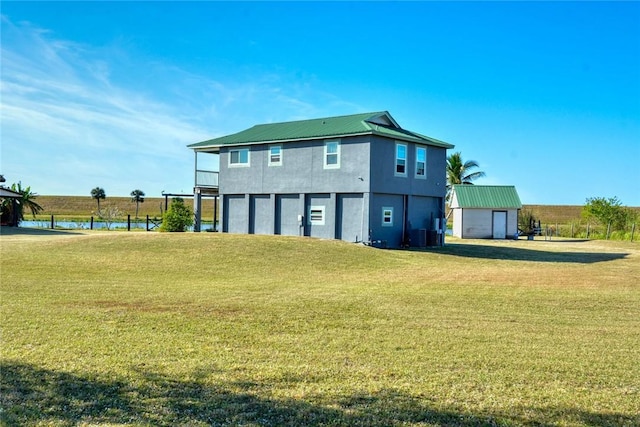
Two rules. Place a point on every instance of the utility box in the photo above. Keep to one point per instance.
(419, 237)
(432, 238)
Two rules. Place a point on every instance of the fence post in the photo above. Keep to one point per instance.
(91, 226)
(52, 222)
(633, 229)
(148, 222)
(608, 229)
(128, 222)
(572, 230)
(588, 230)
(557, 231)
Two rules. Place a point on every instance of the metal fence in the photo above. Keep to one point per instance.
(589, 231)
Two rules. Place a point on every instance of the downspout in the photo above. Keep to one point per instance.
(405, 200)
(361, 222)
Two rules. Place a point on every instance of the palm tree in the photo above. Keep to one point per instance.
(459, 172)
(98, 193)
(16, 210)
(138, 197)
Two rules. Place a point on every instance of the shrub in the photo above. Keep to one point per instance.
(526, 222)
(109, 215)
(608, 212)
(178, 217)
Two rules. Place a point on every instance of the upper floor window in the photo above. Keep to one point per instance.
(239, 157)
(421, 162)
(401, 160)
(332, 154)
(275, 155)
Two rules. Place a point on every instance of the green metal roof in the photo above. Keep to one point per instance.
(486, 196)
(377, 123)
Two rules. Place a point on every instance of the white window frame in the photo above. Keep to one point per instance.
(270, 154)
(319, 210)
(337, 154)
(239, 164)
(397, 158)
(387, 212)
(422, 175)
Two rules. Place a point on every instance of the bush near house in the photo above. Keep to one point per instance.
(178, 217)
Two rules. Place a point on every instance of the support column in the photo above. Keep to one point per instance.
(197, 209)
(215, 213)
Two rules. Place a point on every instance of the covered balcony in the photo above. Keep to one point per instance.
(207, 166)
(206, 184)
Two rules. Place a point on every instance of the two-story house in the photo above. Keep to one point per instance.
(359, 178)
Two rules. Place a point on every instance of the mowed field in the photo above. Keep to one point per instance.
(199, 329)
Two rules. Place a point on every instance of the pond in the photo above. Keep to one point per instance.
(98, 225)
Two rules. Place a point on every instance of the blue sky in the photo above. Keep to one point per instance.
(543, 95)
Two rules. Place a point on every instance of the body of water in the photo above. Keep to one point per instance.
(97, 225)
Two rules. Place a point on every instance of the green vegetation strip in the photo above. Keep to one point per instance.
(215, 329)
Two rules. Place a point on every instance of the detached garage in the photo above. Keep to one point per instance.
(485, 211)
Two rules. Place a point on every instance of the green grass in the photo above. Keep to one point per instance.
(215, 329)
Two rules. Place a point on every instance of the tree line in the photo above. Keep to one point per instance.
(608, 212)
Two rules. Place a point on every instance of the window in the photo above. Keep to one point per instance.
(239, 157)
(275, 155)
(316, 215)
(401, 160)
(421, 162)
(332, 154)
(387, 217)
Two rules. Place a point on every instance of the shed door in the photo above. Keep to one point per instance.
(499, 224)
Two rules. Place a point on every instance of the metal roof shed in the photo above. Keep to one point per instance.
(485, 211)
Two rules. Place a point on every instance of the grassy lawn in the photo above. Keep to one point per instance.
(214, 329)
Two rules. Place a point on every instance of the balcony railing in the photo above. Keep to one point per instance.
(206, 178)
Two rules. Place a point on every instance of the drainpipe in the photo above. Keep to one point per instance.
(405, 200)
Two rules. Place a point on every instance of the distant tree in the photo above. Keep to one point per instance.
(459, 172)
(26, 201)
(608, 211)
(109, 215)
(138, 197)
(177, 217)
(98, 193)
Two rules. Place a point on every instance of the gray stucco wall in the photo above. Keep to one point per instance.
(326, 230)
(383, 179)
(392, 234)
(302, 170)
(265, 199)
(423, 211)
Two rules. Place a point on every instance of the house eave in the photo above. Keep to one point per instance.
(425, 141)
